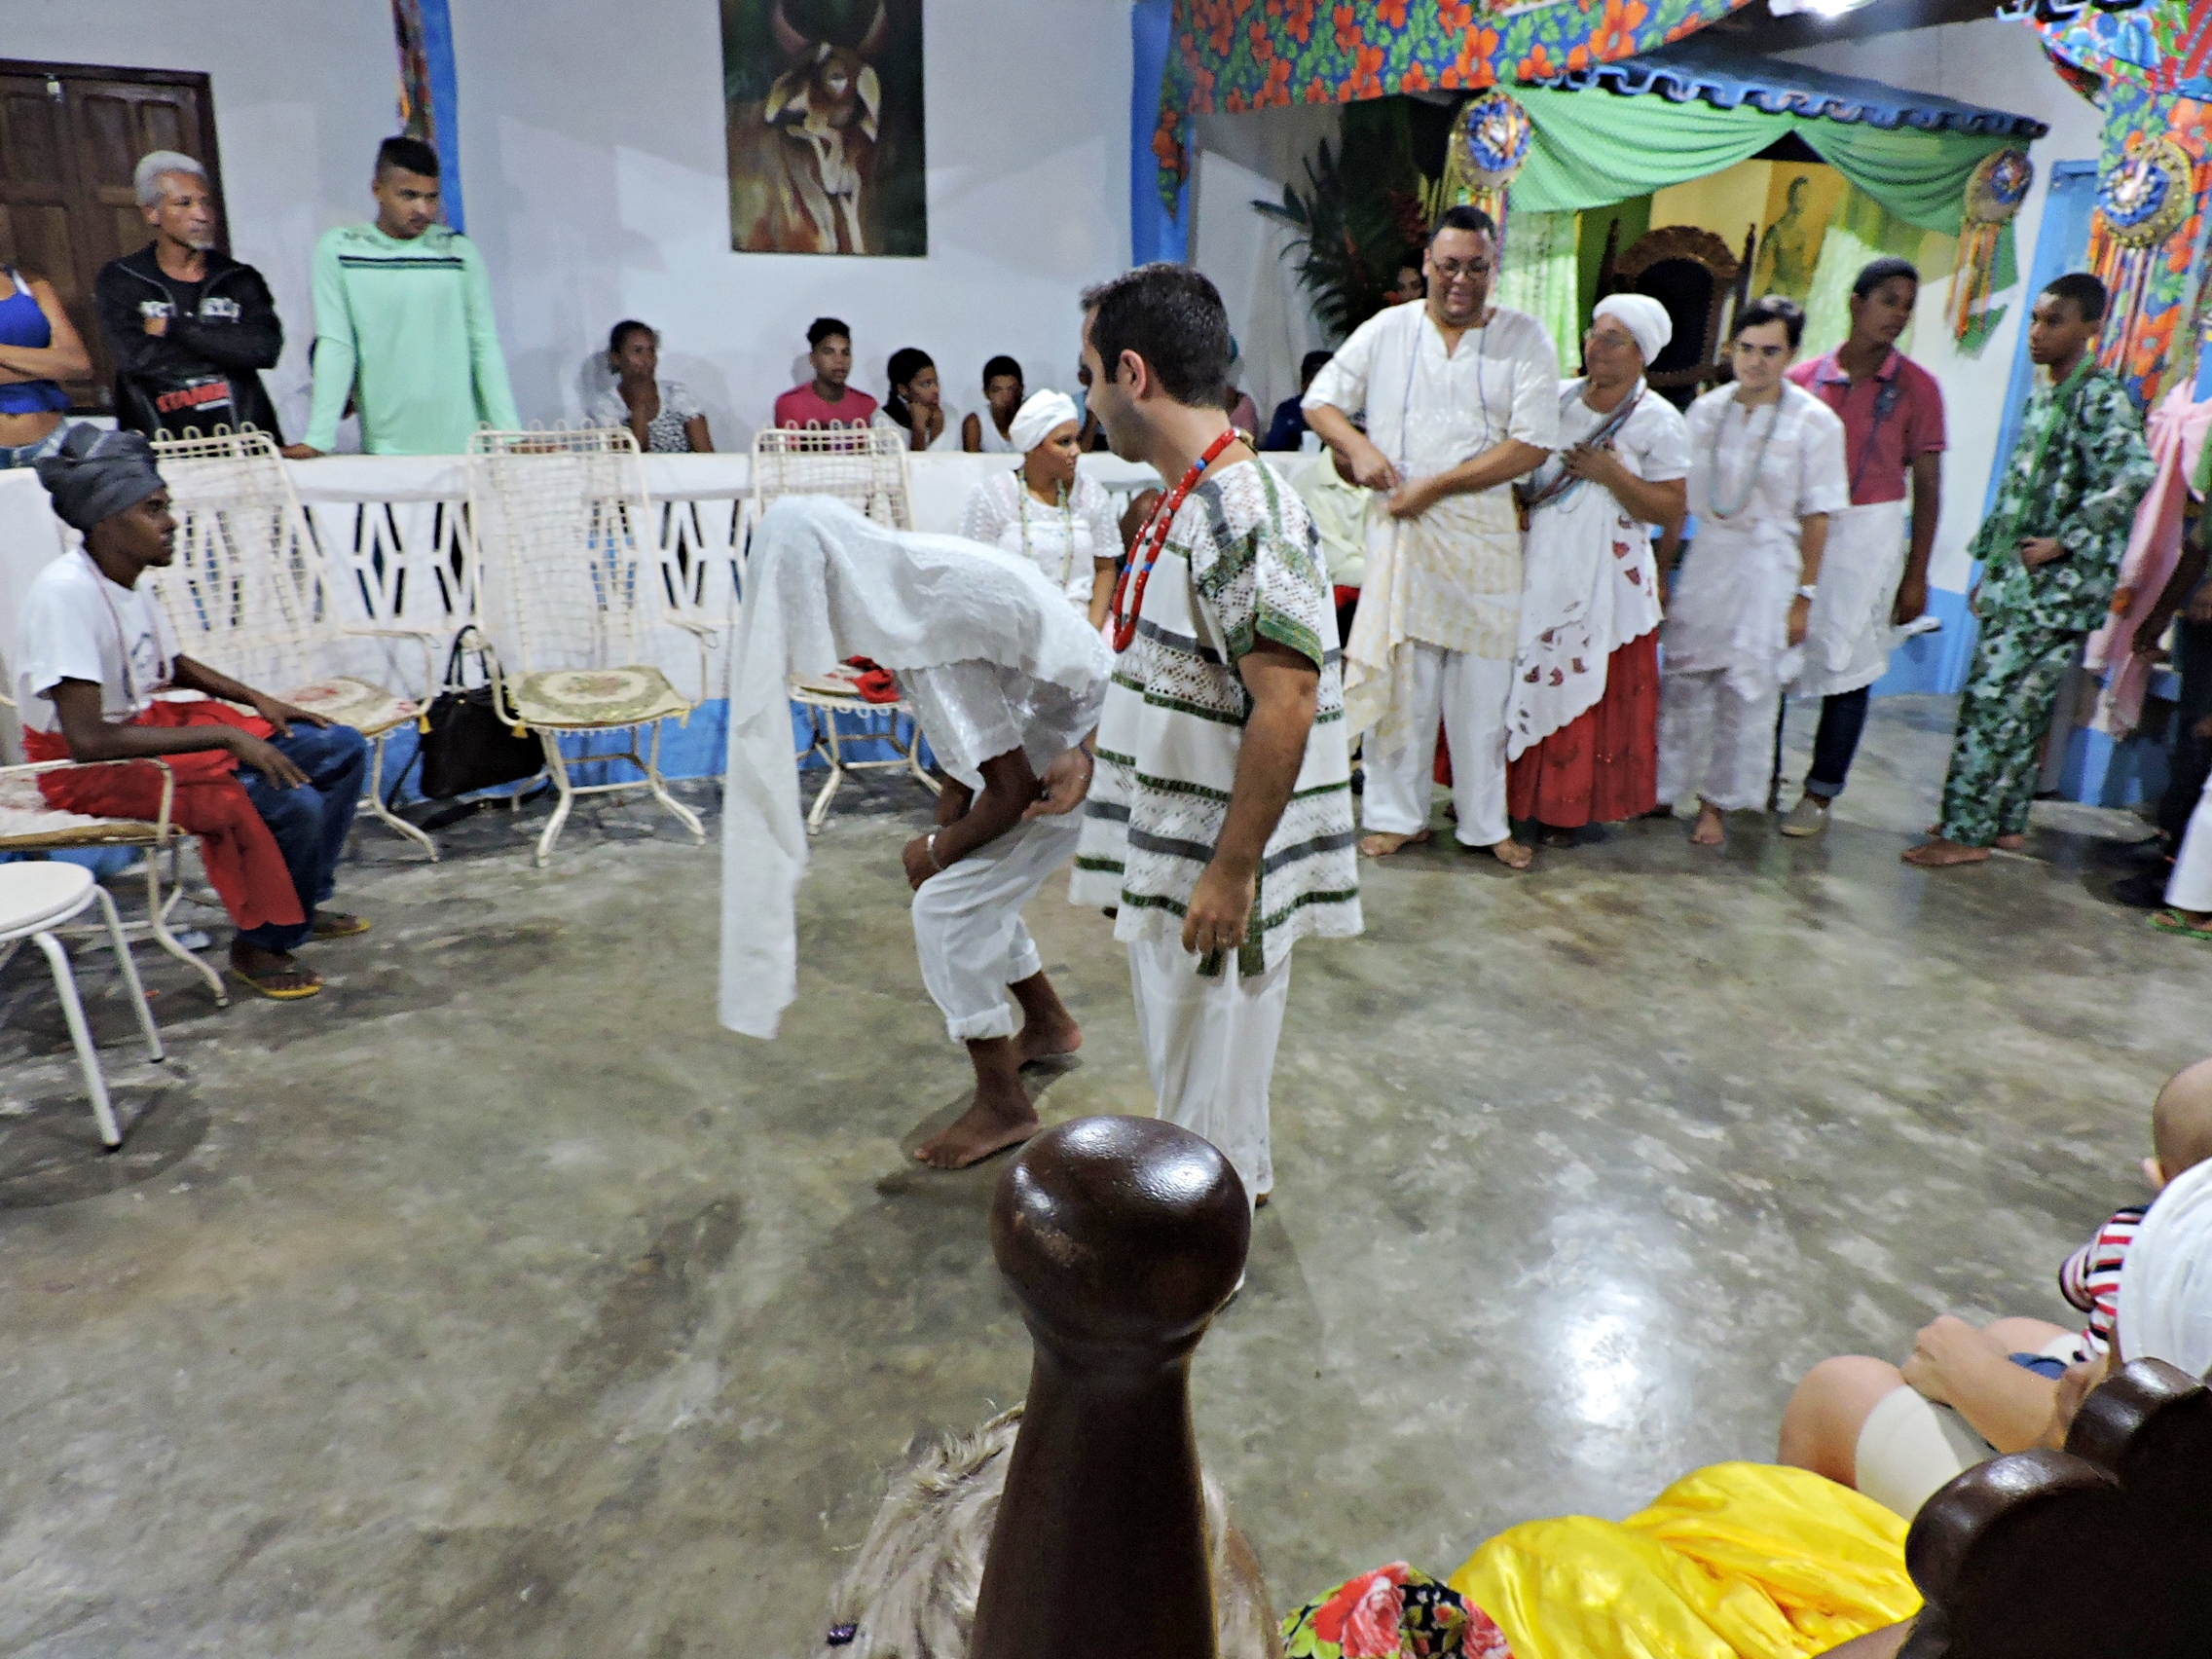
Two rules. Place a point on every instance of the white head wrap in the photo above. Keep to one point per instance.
(1038, 419)
(1642, 317)
(2166, 1282)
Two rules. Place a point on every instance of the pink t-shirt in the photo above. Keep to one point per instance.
(1901, 410)
(803, 407)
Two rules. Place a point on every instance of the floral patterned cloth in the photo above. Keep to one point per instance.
(1230, 56)
(1393, 1613)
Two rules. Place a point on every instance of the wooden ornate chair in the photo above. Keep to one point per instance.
(1121, 1238)
(1692, 273)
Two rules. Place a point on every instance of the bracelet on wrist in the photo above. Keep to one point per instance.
(929, 846)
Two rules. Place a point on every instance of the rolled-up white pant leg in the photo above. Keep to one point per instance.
(1401, 786)
(968, 926)
(1475, 694)
(2190, 887)
(1209, 1046)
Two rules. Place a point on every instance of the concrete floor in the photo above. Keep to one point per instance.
(500, 1304)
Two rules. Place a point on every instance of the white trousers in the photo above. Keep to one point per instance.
(1209, 1045)
(968, 926)
(1470, 694)
(2190, 887)
(1714, 741)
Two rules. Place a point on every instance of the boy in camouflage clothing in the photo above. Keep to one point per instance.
(2049, 557)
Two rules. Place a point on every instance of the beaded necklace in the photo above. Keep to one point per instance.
(1152, 537)
(1758, 460)
(1067, 522)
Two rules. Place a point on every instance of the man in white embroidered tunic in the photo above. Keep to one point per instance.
(1462, 398)
(1766, 469)
(1218, 822)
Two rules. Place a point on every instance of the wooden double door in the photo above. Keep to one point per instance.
(70, 135)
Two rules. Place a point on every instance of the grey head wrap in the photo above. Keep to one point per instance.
(96, 474)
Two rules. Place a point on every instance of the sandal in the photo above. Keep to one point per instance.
(2170, 922)
(337, 924)
(282, 984)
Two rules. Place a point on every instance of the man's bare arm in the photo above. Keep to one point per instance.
(1926, 514)
(93, 737)
(1009, 787)
(189, 673)
(1285, 687)
(1371, 468)
(1500, 464)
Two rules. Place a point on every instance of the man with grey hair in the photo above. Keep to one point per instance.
(188, 326)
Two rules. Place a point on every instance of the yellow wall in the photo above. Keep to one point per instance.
(1730, 203)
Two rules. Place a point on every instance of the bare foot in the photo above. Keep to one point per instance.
(1512, 853)
(1711, 829)
(1047, 1027)
(2011, 843)
(1382, 843)
(988, 1127)
(1938, 852)
(1047, 1039)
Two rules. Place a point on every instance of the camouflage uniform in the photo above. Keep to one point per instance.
(2076, 472)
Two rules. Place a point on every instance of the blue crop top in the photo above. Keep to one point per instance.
(23, 323)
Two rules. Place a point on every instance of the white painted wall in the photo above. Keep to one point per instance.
(2000, 66)
(302, 94)
(594, 176)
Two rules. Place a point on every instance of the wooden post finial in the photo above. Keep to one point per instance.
(1121, 1237)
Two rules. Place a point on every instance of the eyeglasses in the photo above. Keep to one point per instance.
(1452, 270)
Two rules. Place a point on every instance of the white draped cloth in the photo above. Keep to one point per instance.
(2165, 1281)
(1771, 466)
(1849, 635)
(1592, 584)
(824, 583)
(1451, 576)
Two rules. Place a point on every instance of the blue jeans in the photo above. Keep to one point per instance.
(309, 821)
(1843, 717)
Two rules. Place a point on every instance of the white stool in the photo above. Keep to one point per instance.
(34, 899)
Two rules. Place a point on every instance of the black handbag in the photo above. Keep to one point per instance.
(465, 746)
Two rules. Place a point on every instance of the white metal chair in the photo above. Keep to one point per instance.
(865, 467)
(568, 589)
(252, 593)
(35, 898)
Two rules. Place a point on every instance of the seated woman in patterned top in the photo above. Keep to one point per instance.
(660, 414)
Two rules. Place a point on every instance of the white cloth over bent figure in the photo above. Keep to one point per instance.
(1064, 543)
(824, 583)
(1849, 635)
(1593, 585)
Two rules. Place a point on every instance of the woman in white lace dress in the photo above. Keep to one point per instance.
(1047, 512)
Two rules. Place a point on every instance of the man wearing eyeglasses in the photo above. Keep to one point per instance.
(1460, 398)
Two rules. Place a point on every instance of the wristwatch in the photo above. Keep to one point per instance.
(1808, 591)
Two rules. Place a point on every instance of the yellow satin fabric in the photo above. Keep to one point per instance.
(1739, 1560)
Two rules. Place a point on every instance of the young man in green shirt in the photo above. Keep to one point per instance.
(403, 323)
(2049, 557)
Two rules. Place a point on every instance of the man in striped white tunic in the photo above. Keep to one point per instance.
(1217, 824)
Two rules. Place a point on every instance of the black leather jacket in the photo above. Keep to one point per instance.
(201, 374)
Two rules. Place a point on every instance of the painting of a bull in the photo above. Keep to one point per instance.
(824, 108)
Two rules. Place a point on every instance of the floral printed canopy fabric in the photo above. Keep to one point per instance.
(1230, 55)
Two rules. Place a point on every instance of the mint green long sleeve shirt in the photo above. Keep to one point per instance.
(407, 328)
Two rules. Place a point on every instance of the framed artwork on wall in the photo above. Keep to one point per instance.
(822, 116)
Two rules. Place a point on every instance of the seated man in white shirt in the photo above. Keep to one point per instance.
(270, 795)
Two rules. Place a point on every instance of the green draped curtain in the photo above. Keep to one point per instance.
(1591, 149)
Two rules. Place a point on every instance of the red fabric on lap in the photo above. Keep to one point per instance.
(243, 864)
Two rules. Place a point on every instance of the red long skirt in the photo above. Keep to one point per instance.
(1604, 765)
(244, 865)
